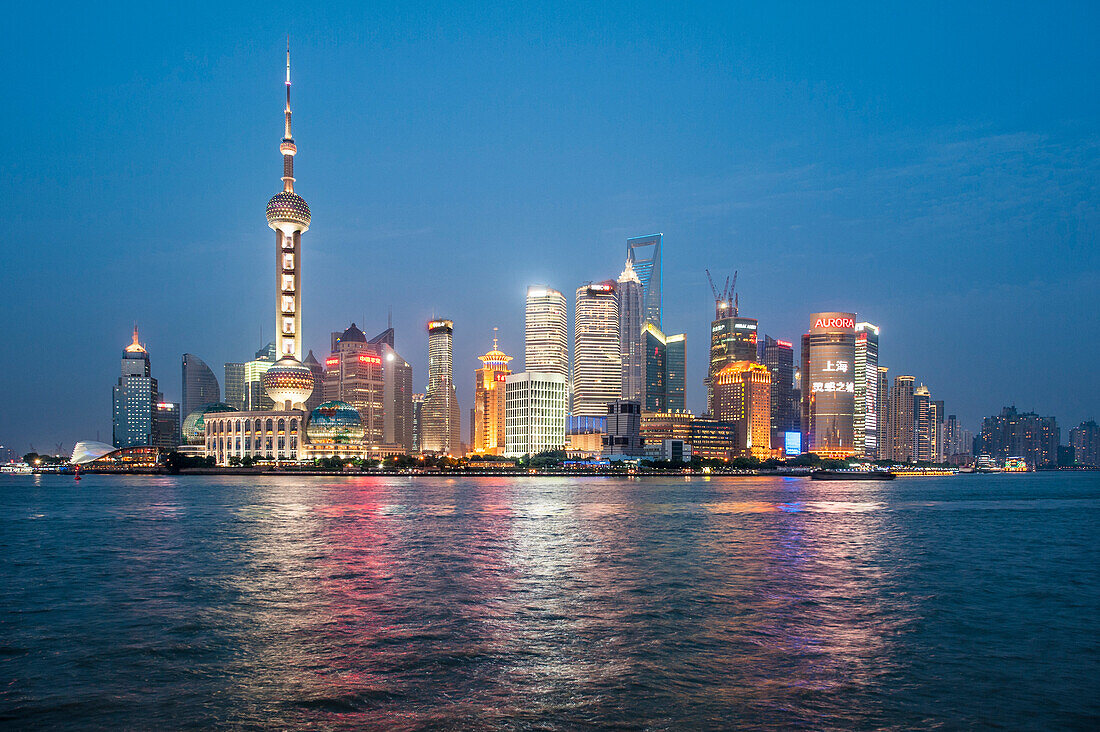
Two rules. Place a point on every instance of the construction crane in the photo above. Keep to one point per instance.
(722, 302)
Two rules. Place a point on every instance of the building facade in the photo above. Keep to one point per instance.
(924, 422)
(623, 431)
(134, 399)
(828, 393)
(441, 418)
(234, 386)
(742, 396)
(200, 385)
(643, 253)
(778, 357)
(489, 402)
(1084, 440)
(1020, 434)
(883, 410)
(597, 357)
(665, 385)
(545, 344)
(903, 448)
(631, 347)
(353, 374)
(865, 377)
(535, 413)
(166, 428)
(732, 338)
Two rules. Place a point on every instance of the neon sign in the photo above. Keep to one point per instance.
(784, 344)
(332, 361)
(833, 386)
(835, 323)
(363, 358)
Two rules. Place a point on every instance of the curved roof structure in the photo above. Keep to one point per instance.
(88, 450)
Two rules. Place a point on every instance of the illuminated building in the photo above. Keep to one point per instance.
(200, 386)
(742, 395)
(193, 431)
(353, 375)
(135, 397)
(828, 391)
(924, 421)
(883, 409)
(622, 436)
(902, 424)
(256, 399)
(441, 423)
(234, 386)
(288, 381)
(665, 370)
(597, 359)
(489, 402)
(535, 407)
(714, 439)
(865, 377)
(643, 253)
(166, 425)
(417, 422)
(732, 338)
(676, 371)
(334, 422)
(545, 344)
(938, 429)
(778, 357)
(657, 427)
(318, 370)
(1084, 440)
(1020, 434)
(631, 347)
(397, 399)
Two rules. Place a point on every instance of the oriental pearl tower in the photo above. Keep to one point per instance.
(288, 382)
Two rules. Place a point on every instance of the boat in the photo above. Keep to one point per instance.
(852, 475)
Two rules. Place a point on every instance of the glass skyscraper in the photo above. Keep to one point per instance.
(200, 385)
(865, 378)
(597, 356)
(644, 255)
(134, 399)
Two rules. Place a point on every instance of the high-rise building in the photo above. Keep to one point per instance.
(665, 388)
(397, 397)
(234, 387)
(882, 408)
(828, 394)
(714, 439)
(903, 448)
(623, 430)
(1020, 434)
(597, 357)
(643, 253)
(742, 395)
(676, 374)
(865, 377)
(1084, 440)
(778, 357)
(353, 375)
(631, 347)
(166, 427)
(924, 422)
(660, 427)
(489, 402)
(200, 386)
(732, 338)
(256, 399)
(417, 423)
(545, 345)
(318, 397)
(535, 407)
(957, 442)
(939, 453)
(135, 397)
(441, 430)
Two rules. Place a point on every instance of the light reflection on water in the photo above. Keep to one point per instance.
(556, 603)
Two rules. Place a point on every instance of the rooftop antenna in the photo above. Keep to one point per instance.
(495, 329)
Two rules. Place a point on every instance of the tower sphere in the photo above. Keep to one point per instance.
(288, 212)
(288, 381)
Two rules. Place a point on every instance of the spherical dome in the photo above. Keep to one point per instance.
(287, 208)
(194, 426)
(335, 423)
(288, 380)
(352, 335)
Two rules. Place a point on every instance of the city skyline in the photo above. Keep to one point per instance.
(974, 380)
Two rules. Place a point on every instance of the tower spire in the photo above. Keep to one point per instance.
(287, 146)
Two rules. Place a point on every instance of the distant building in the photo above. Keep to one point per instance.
(597, 357)
(417, 423)
(644, 255)
(200, 386)
(441, 426)
(1084, 440)
(939, 447)
(546, 348)
(623, 430)
(866, 378)
(778, 357)
(166, 427)
(1025, 435)
(318, 371)
(631, 347)
(489, 402)
(660, 426)
(234, 386)
(535, 412)
(665, 370)
(957, 442)
(924, 421)
(135, 397)
(828, 394)
(742, 395)
(353, 375)
(882, 408)
(714, 439)
(903, 447)
(256, 398)
(732, 338)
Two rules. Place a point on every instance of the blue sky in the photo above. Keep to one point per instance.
(932, 167)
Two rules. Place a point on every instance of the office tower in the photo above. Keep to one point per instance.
(631, 348)
(441, 430)
(957, 442)
(938, 429)
(318, 395)
(1020, 434)
(255, 397)
(732, 338)
(288, 382)
(597, 358)
(234, 387)
(676, 374)
(778, 357)
(166, 425)
(417, 423)
(200, 386)
(714, 439)
(742, 395)
(397, 398)
(545, 346)
(487, 436)
(828, 395)
(134, 398)
(902, 421)
(883, 410)
(1084, 440)
(665, 370)
(643, 253)
(865, 377)
(923, 422)
(353, 375)
(535, 406)
(623, 430)
(659, 429)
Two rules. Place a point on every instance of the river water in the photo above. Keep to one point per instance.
(549, 603)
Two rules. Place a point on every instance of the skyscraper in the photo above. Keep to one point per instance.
(597, 357)
(417, 423)
(353, 375)
(902, 423)
(166, 427)
(1084, 439)
(939, 451)
(865, 376)
(742, 395)
(676, 371)
(1020, 434)
(631, 348)
(883, 410)
(534, 419)
(828, 393)
(643, 253)
(546, 346)
(234, 387)
(315, 400)
(288, 382)
(778, 357)
(441, 430)
(489, 402)
(200, 386)
(732, 338)
(665, 386)
(135, 397)
(924, 421)
(397, 397)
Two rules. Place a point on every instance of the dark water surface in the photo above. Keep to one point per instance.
(549, 603)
